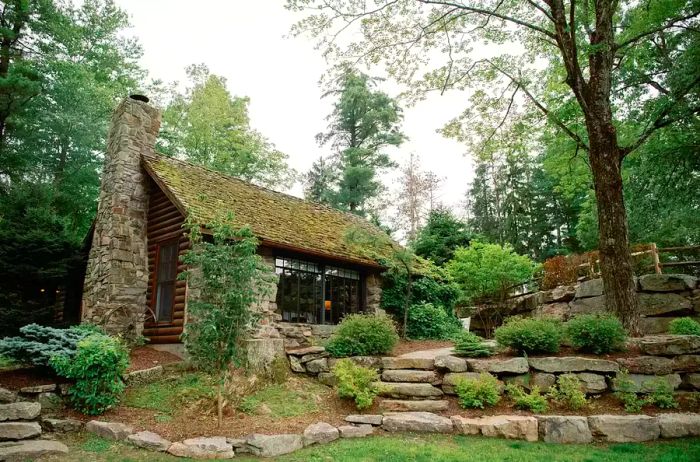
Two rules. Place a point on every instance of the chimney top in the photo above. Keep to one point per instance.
(138, 97)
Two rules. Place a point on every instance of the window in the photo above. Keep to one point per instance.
(166, 275)
(317, 294)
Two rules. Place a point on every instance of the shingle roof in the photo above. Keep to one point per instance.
(277, 219)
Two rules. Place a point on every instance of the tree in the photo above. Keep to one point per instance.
(320, 180)
(364, 121)
(613, 57)
(413, 197)
(441, 235)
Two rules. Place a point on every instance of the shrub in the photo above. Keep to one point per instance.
(479, 392)
(97, 368)
(661, 394)
(427, 321)
(596, 333)
(436, 287)
(38, 343)
(684, 326)
(356, 382)
(625, 391)
(363, 334)
(471, 345)
(530, 335)
(534, 401)
(568, 392)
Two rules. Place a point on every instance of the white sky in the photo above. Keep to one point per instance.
(246, 42)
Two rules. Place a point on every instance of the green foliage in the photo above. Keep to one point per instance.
(171, 393)
(471, 345)
(684, 326)
(477, 393)
(530, 335)
(97, 368)
(426, 321)
(356, 382)
(363, 334)
(568, 392)
(442, 234)
(283, 400)
(488, 270)
(533, 401)
(38, 344)
(436, 288)
(596, 333)
(626, 392)
(660, 394)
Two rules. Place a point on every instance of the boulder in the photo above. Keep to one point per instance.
(216, 447)
(49, 401)
(327, 378)
(144, 375)
(499, 366)
(373, 362)
(409, 390)
(109, 430)
(590, 288)
(371, 419)
(295, 365)
(654, 325)
(21, 410)
(451, 363)
(312, 357)
(274, 445)
(572, 364)
(408, 363)
(670, 345)
(355, 431)
(22, 451)
(564, 429)
(19, 430)
(592, 305)
(686, 363)
(61, 425)
(321, 433)
(36, 389)
(149, 440)
(306, 351)
(667, 282)
(317, 365)
(679, 425)
(654, 365)
(466, 425)
(416, 422)
(410, 375)
(657, 304)
(558, 311)
(542, 380)
(449, 380)
(560, 294)
(512, 427)
(7, 396)
(593, 384)
(624, 428)
(691, 381)
(425, 405)
(643, 383)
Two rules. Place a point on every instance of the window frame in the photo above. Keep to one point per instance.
(154, 288)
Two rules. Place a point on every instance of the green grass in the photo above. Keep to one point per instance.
(6, 363)
(167, 395)
(283, 401)
(96, 444)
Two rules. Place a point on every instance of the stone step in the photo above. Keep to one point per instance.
(20, 451)
(19, 430)
(409, 390)
(411, 375)
(423, 405)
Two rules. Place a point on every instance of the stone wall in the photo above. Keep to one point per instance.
(116, 280)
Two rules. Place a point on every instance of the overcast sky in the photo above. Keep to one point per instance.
(247, 42)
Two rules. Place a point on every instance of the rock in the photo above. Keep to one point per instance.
(425, 405)
(61, 425)
(592, 305)
(667, 282)
(7, 396)
(654, 325)
(542, 380)
(561, 294)
(686, 363)
(38, 389)
(317, 365)
(670, 345)
(451, 363)
(558, 311)
(408, 363)
(465, 425)
(327, 378)
(306, 351)
(320, 433)
(372, 419)
(49, 401)
(274, 445)
(144, 375)
(572, 364)
(643, 383)
(109, 430)
(203, 448)
(352, 431)
(22, 451)
(564, 429)
(416, 422)
(64, 388)
(590, 288)
(656, 304)
(513, 427)
(593, 383)
(22, 410)
(499, 366)
(646, 365)
(410, 390)
(149, 440)
(295, 365)
(409, 375)
(679, 425)
(692, 381)
(450, 379)
(312, 357)
(373, 362)
(19, 430)
(624, 428)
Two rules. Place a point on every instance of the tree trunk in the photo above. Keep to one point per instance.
(220, 403)
(407, 302)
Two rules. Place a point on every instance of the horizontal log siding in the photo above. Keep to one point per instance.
(164, 225)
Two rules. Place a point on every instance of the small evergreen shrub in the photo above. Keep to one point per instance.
(97, 368)
(684, 326)
(661, 394)
(625, 391)
(534, 401)
(530, 335)
(477, 393)
(38, 344)
(356, 382)
(596, 333)
(568, 392)
(428, 321)
(471, 345)
(363, 334)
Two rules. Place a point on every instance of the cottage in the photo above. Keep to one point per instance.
(131, 282)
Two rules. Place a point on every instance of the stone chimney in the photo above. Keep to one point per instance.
(114, 294)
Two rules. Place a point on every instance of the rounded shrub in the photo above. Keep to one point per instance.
(428, 321)
(530, 335)
(471, 345)
(684, 326)
(356, 382)
(363, 334)
(477, 393)
(596, 333)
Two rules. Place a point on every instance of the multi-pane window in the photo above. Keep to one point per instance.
(166, 275)
(313, 293)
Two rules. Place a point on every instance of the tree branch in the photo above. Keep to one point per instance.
(668, 25)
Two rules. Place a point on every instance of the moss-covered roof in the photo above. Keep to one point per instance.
(277, 219)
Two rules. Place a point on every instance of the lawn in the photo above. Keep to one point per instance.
(419, 448)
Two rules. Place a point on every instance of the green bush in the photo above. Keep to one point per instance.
(684, 326)
(363, 334)
(356, 382)
(625, 391)
(568, 392)
(534, 401)
(427, 321)
(38, 344)
(436, 287)
(476, 393)
(596, 333)
(471, 345)
(661, 394)
(97, 368)
(530, 335)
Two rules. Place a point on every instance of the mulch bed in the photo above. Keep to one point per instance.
(410, 346)
(145, 358)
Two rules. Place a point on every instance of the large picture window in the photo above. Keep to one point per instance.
(314, 293)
